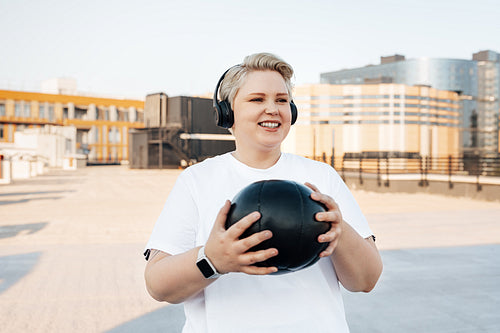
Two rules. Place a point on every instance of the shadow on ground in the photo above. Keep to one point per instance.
(13, 268)
(31, 193)
(7, 231)
(10, 202)
(167, 319)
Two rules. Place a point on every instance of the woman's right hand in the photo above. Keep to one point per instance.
(228, 253)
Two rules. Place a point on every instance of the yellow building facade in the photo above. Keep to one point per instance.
(374, 120)
(102, 124)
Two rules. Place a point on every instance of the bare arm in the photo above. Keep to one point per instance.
(356, 260)
(172, 278)
(175, 278)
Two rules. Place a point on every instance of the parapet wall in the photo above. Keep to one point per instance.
(480, 188)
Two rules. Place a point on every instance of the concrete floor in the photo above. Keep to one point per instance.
(71, 257)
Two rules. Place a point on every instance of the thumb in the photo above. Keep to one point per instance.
(220, 220)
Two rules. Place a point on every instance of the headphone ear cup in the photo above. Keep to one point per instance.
(224, 114)
(293, 109)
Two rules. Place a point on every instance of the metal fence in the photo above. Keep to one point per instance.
(359, 163)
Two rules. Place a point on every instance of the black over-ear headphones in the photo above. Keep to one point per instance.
(224, 115)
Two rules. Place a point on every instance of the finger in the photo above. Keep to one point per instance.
(220, 220)
(329, 236)
(329, 250)
(318, 196)
(331, 216)
(253, 240)
(237, 229)
(254, 270)
(325, 199)
(312, 187)
(251, 258)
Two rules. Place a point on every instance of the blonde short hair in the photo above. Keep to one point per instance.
(235, 77)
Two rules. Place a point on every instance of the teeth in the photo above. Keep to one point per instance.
(269, 124)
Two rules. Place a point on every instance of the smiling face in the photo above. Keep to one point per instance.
(262, 113)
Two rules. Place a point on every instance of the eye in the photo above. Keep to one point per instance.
(282, 100)
(257, 99)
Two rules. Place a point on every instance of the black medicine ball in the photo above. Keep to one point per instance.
(288, 211)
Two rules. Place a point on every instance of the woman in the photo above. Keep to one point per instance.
(235, 295)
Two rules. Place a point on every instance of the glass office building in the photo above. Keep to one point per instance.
(486, 121)
(476, 81)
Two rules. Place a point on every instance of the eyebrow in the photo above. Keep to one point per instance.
(263, 94)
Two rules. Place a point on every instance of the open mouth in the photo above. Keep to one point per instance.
(269, 124)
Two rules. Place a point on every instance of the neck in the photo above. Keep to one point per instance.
(257, 160)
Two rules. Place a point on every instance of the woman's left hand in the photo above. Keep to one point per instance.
(332, 216)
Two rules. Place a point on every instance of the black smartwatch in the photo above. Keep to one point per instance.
(206, 267)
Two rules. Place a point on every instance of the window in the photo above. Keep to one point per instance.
(41, 112)
(51, 112)
(11, 133)
(1, 132)
(114, 154)
(27, 110)
(2, 110)
(17, 109)
(113, 135)
(123, 115)
(68, 146)
(103, 114)
(94, 134)
(80, 113)
(22, 109)
(140, 116)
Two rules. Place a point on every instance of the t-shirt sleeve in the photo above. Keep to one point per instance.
(175, 229)
(351, 212)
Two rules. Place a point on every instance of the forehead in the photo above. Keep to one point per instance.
(263, 81)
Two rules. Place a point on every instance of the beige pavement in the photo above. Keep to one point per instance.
(402, 220)
(71, 242)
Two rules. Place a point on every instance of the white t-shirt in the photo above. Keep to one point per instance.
(305, 301)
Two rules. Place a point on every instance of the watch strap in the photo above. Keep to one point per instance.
(205, 265)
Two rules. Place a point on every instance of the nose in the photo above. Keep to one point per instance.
(272, 109)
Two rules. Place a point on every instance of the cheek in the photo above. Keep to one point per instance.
(287, 116)
(243, 117)
(239, 122)
(286, 130)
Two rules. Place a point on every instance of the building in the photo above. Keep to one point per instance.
(486, 126)
(101, 124)
(375, 120)
(477, 81)
(178, 131)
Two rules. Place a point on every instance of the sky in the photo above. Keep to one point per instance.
(129, 49)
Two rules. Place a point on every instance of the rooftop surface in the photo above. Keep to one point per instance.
(71, 246)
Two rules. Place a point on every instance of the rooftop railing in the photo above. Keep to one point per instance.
(386, 165)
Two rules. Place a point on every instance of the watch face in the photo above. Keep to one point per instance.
(205, 268)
